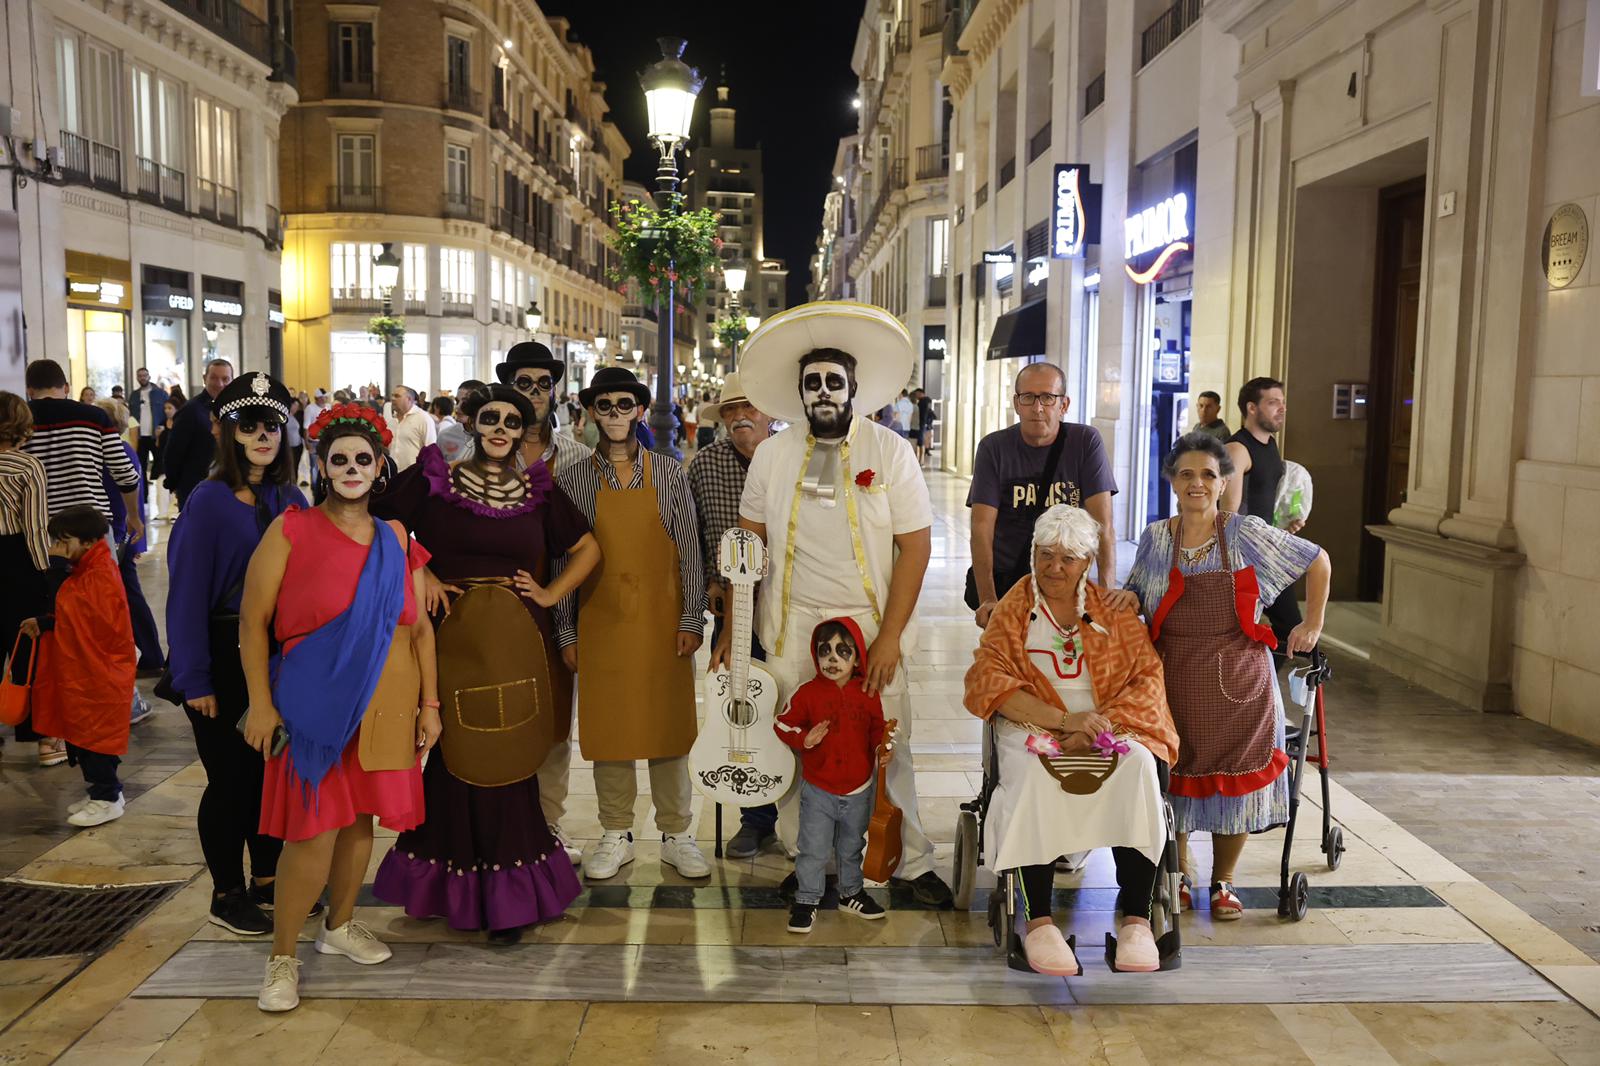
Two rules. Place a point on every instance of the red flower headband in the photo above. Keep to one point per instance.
(352, 412)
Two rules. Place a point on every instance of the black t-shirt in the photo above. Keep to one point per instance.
(1261, 480)
(1005, 476)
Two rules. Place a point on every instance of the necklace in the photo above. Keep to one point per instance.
(1198, 553)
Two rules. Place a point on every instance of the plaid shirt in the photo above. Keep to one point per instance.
(716, 477)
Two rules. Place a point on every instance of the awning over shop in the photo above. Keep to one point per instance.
(1019, 333)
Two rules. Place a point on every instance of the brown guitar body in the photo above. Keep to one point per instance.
(883, 833)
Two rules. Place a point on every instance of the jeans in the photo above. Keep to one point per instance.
(761, 819)
(831, 823)
(145, 636)
(99, 772)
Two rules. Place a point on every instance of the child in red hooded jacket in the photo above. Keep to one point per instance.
(836, 728)
(86, 660)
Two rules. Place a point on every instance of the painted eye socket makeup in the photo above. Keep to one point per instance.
(250, 426)
(529, 383)
(491, 419)
(816, 382)
(838, 649)
(339, 461)
(623, 406)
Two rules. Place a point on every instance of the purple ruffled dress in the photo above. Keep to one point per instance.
(484, 857)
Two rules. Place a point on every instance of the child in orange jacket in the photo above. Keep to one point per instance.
(836, 728)
(85, 679)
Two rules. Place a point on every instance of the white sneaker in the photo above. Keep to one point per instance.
(608, 855)
(682, 852)
(280, 989)
(74, 808)
(355, 942)
(96, 812)
(573, 854)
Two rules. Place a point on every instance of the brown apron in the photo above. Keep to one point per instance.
(388, 737)
(635, 693)
(1219, 679)
(494, 687)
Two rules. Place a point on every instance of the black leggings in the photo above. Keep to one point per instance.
(1136, 885)
(230, 808)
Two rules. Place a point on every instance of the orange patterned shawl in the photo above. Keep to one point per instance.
(1128, 683)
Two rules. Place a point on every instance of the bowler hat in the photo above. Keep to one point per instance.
(614, 379)
(529, 354)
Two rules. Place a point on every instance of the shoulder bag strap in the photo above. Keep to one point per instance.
(1048, 473)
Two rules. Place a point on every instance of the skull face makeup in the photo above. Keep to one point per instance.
(498, 426)
(538, 386)
(351, 467)
(616, 425)
(827, 391)
(260, 437)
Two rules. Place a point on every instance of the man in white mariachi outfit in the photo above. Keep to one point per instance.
(843, 508)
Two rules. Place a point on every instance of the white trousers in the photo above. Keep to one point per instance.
(794, 668)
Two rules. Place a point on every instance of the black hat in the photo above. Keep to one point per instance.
(252, 391)
(614, 379)
(498, 394)
(529, 354)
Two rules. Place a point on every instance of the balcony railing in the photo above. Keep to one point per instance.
(462, 98)
(457, 303)
(1094, 94)
(357, 301)
(933, 161)
(230, 20)
(902, 37)
(1039, 143)
(91, 162)
(499, 118)
(219, 203)
(1167, 28)
(459, 205)
(933, 16)
(893, 180)
(355, 198)
(983, 194)
(149, 179)
(342, 84)
(1008, 170)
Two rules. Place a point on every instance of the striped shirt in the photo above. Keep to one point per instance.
(717, 474)
(22, 504)
(77, 444)
(675, 504)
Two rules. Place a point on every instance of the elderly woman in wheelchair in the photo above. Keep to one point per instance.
(1082, 738)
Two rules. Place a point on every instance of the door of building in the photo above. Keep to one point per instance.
(1393, 374)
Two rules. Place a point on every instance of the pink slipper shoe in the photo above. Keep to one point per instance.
(1136, 949)
(1048, 952)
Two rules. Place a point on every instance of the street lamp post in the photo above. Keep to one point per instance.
(670, 88)
(733, 277)
(386, 273)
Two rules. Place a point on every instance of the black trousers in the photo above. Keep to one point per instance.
(1136, 885)
(25, 597)
(230, 807)
(145, 635)
(147, 453)
(99, 772)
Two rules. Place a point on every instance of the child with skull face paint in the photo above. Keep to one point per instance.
(486, 858)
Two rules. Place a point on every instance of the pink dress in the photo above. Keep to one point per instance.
(320, 581)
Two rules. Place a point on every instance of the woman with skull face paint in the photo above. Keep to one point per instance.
(485, 858)
(222, 522)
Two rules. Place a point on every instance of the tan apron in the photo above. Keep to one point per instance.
(635, 693)
(388, 737)
(494, 687)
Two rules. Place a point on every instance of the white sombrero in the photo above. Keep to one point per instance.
(769, 363)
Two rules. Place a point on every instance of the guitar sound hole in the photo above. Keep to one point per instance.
(741, 714)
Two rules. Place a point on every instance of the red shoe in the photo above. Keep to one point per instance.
(1185, 893)
(1225, 905)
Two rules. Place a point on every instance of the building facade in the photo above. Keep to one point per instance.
(147, 133)
(891, 234)
(472, 139)
(1385, 204)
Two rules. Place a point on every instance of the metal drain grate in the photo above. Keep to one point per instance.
(38, 921)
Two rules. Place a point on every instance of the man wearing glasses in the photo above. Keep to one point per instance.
(1011, 486)
(632, 633)
(533, 370)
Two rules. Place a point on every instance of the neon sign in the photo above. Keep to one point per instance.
(1068, 222)
(1165, 226)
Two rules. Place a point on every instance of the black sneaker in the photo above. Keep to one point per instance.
(791, 885)
(801, 917)
(235, 912)
(861, 905)
(263, 896)
(747, 843)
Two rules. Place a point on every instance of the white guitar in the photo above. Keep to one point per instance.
(737, 758)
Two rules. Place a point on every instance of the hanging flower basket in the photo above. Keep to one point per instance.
(654, 247)
(732, 331)
(389, 330)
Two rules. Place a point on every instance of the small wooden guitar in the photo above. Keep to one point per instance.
(883, 833)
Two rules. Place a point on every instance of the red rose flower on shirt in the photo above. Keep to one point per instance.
(865, 478)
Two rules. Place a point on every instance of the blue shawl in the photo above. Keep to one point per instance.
(324, 684)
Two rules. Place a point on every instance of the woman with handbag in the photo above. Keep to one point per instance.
(345, 716)
(24, 545)
(251, 484)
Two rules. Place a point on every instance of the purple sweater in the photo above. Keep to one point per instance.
(210, 548)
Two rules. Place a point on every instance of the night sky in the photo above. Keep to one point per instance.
(789, 70)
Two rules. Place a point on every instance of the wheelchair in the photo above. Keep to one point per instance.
(1005, 910)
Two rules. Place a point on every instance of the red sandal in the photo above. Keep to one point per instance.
(1185, 892)
(1225, 905)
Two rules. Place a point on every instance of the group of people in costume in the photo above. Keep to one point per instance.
(412, 648)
